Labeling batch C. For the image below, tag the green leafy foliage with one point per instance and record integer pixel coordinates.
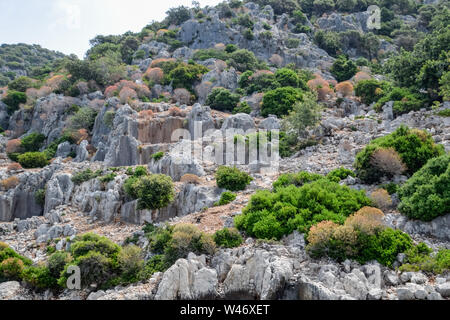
(271, 215)
(232, 178)
(153, 191)
(222, 99)
(426, 195)
(343, 68)
(414, 147)
(13, 99)
(85, 175)
(31, 160)
(33, 142)
(371, 90)
(243, 60)
(280, 101)
(226, 198)
(228, 238)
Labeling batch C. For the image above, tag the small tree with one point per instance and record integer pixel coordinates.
(343, 68)
(305, 114)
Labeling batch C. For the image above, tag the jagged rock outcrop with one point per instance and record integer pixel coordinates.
(176, 166)
(188, 279)
(20, 202)
(58, 191)
(200, 121)
(438, 228)
(239, 123)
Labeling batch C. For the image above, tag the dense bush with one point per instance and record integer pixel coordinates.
(280, 101)
(20, 84)
(158, 156)
(85, 175)
(153, 191)
(222, 99)
(404, 101)
(362, 237)
(232, 178)
(274, 214)
(340, 174)
(414, 147)
(13, 99)
(304, 114)
(205, 54)
(371, 90)
(84, 118)
(426, 195)
(226, 198)
(228, 238)
(343, 68)
(296, 179)
(243, 107)
(421, 258)
(31, 160)
(32, 143)
(188, 238)
(243, 60)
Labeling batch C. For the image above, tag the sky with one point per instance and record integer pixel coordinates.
(68, 25)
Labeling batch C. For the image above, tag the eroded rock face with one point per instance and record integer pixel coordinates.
(20, 202)
(188, 279)
(58, 192)
(438, 228)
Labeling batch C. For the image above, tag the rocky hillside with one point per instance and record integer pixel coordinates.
(25, 60)
(252, 150)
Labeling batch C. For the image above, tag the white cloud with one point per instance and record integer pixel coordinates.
(66, 15)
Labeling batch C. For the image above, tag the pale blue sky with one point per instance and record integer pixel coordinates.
(68, 25)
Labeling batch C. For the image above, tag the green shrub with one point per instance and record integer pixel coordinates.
(11, 269)
(222, 99)
(362, 238)
(31, 160)
(13, 99)
(39, 197)
(415, 148)
(271, 215)
(371, 90)
(421, 258)
(157, 263)
(343, 68)
(404, 101)
(95, 268)
(205, 54)
(6, 252)
(340, 174)
(185, 75)
(57, 262)
(426, 195)
(32, 143)
(444, 113)
(328, 41)
(188, 238)
(292, 43)
(158, 156)
(228, 238)
(154, 191)
(20, 84)
(108, 178)
(91, 242)
(287, 78)
(83, 119)
(226, 198)
(40, 277)
(232, 178)
(280, 101)
(131, 263)
(243, 60)
(243, 107)
(295, 179)
(85, 175)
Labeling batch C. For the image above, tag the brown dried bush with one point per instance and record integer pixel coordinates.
(10, 183)
(381, 199)
(360, 76)
(276, 60)
(388, 160)
(182, 96)
(345, 89)
(367, 219)
(154, 75)
(13, 146)
(190, 179)
(15, 166)
(127, 94)
(146, 114)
